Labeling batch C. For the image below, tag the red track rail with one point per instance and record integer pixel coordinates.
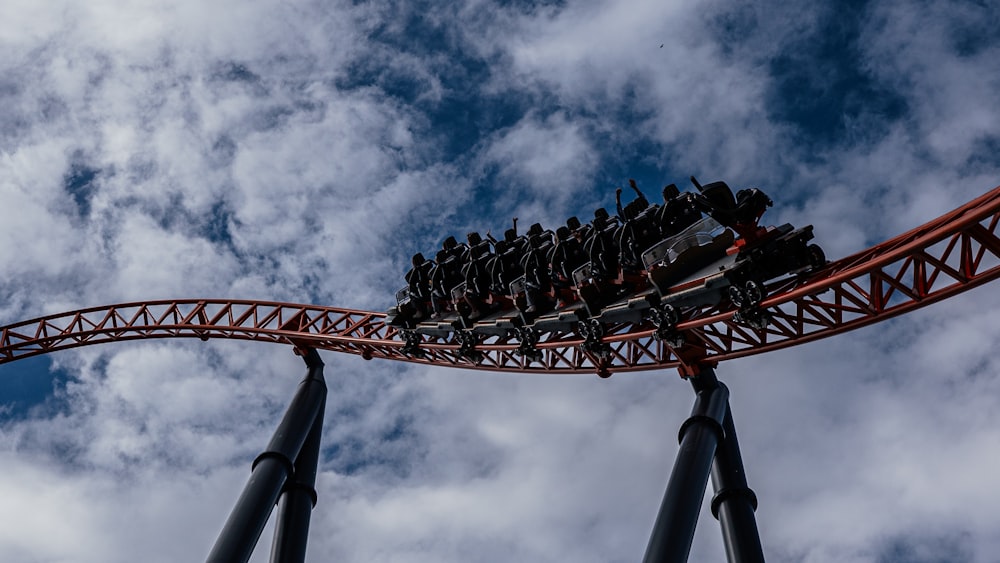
(951, 254)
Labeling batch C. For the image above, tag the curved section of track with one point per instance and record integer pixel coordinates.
(951, 254)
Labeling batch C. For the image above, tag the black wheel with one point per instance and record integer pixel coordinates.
(596, 328)
(754, 291)
(737, 296)
(753, 318)
(817, 259)
(676, 341)
(670, 315)
(759, 320)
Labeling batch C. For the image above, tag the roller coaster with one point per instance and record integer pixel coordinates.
(946, 256)
(688, 284)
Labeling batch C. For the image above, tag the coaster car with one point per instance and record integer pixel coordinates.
(642, 266)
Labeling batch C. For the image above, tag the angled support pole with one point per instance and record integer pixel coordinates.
(734, 502)
(708, 440)
(297, 501)
(673, 532)
(276, 467)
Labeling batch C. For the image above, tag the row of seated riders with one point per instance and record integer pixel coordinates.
(546, 261)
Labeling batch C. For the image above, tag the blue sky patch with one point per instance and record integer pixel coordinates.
(27, 385)
(80, 183)
(822, 88)
(921, 548)
(394, 451)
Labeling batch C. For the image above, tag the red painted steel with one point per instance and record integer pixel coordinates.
(951, 254)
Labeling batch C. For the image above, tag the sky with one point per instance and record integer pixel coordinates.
(303, 151)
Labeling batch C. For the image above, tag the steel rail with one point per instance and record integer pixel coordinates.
(948, 255)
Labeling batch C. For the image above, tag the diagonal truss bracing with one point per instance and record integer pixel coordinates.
(951, 254)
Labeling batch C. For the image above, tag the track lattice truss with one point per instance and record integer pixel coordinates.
(953, 253)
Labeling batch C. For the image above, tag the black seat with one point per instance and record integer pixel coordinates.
(719, 195)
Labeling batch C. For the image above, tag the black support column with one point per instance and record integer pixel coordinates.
(297, 501)
(734, 502)
(708, 440)
(673, 531)
(274, 467)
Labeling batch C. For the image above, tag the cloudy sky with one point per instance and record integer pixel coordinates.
(302, 151)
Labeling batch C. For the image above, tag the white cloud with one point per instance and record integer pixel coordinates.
(231, 161)
(545, 165)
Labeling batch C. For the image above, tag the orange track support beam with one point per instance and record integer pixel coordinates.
(949, 255)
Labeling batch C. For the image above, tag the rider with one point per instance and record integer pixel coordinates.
(418, 282)
(602, 247)
(506, 267)
(638, 231)
(567, 256)
(677, 212)
(477, 275)
(537, 277)
(450, 261)
(741, 213)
